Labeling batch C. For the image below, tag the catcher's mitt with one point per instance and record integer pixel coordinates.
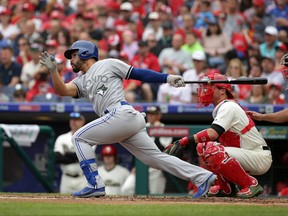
(175, 149)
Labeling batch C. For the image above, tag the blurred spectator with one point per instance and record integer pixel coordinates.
(10, 70)
(112, 10)
(174, 58)
(166, 40)
(145, 59)
(268, 47)
(192, 44)
(31, 67)
(258, 19)
(75, 32)
(41, 86)
(188, 26)
(113, 174)
(268, 65)
(51, 46)
(200, 66)
(153, 26)
(258, 95)
(130, 45)
(234, 20)
(281, 50)
(28, 13)
(215, 43)
(63, 37)
(122, 23)
(67, 74)
(280, 12)
(155, 46)
(168, 94)
(236, 70)
(72, 178)
(203, 14)
(55, 25)
(8, 30)
(24, 55)
(255, 71)
(19, 94)
(28, 31)
(68, 10)
(275, 94)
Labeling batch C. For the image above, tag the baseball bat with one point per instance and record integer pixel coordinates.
(244, 80)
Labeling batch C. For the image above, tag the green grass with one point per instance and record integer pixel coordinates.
(8, 208)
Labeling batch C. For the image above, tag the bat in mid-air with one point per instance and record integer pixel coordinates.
(244, 80)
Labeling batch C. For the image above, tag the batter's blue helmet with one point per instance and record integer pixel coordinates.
(86, 50)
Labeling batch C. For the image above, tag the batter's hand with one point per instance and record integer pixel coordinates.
(175, 149)
(176, 80)
(49, 61)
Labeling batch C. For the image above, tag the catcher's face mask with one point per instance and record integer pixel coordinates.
(205, 95)
(284, 62)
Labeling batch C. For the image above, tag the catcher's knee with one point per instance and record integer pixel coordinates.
(215, 155)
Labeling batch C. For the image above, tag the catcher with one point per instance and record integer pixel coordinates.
(232, 147)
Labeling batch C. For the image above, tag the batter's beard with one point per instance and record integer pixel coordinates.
(76, 68)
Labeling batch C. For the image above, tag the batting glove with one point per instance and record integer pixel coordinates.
(176, 80)
(49, 61)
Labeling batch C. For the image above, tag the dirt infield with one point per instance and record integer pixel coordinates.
(57, 198)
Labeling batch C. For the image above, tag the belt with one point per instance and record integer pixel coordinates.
(266, 148)
(121, 103)
(73, 176)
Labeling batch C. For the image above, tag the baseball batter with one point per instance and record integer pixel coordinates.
(101, 83)
(241, 148)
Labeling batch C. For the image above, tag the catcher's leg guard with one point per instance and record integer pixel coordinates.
(96, 185)
(228, 167)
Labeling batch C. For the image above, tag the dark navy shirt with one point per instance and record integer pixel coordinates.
(6, 74)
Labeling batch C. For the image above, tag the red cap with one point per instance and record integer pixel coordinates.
(56, 15)
(51, 43)
(60, 58)
(282, 47)
(109, 150)
(90, 16)
(28, 6)
(5, 11)
(113, 5)
(123, 55)
(258, 2)
(113, 40)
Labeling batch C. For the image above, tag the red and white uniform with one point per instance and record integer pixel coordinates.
(241, 139)
(113, 179)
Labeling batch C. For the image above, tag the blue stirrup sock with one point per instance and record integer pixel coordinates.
(90, 171)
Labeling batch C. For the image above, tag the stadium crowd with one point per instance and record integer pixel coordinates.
(238, 38)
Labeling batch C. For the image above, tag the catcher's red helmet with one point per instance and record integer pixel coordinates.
(109, 150)
(205, 91)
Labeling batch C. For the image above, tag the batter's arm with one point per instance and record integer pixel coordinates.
(69, 89)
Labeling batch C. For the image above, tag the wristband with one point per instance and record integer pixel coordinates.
(203, 136)
(187, 140)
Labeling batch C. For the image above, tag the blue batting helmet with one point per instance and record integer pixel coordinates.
(86, 50)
